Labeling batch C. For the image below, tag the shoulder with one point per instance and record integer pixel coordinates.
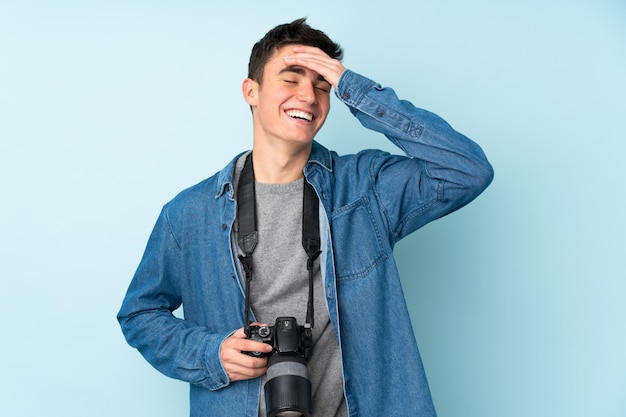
(201, 196)
(336, 164)
(364, 162)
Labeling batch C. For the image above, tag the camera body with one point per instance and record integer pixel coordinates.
(286, 337)
(288, 389)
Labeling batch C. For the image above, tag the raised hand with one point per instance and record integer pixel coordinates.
(316, 60)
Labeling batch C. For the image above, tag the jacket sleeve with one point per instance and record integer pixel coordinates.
(178, 348)
(441, 171)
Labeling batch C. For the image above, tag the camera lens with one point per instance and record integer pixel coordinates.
(288, 389)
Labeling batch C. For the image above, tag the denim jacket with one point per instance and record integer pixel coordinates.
(368, 202)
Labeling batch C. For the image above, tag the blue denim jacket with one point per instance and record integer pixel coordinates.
(368, 202)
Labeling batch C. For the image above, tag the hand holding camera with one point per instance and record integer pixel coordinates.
(288, 345)
(239, 366)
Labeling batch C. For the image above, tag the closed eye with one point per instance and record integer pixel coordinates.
(323, 87)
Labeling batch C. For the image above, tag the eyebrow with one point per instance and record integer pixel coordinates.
(300, 71)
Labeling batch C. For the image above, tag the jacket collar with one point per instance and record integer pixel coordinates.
(320, 155)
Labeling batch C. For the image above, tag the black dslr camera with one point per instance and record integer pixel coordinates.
(288, 389)
(285, 337)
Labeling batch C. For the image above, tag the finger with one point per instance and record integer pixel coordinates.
(241, 334)
(245, 345)
(238, 342)
(309, 49)
(239, 373)
(234, 359)
(315, 60)
(239, 366)
(249, 367)
(317, 55)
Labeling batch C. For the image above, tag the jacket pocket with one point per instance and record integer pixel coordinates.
(357, 242)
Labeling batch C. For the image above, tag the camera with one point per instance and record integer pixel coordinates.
(288, 389)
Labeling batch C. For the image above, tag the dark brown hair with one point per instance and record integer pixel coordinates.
(297, 32)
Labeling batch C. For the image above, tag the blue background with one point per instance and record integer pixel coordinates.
(108, 109)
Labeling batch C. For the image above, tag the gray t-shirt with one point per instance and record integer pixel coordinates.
(280, 288)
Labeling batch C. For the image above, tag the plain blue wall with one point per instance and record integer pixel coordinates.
(107, 109)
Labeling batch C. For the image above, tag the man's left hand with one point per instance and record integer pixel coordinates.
(316, 60)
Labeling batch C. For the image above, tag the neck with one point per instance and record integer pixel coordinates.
(278, 168)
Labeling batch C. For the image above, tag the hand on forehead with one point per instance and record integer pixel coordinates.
(316, 60)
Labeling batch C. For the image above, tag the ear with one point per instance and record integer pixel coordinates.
(250, 89)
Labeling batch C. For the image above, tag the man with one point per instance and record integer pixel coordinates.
(364, 359)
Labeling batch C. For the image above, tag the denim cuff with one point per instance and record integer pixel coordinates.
(217, 376)
(352, 87)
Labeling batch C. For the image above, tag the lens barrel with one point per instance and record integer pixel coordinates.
(288, 389)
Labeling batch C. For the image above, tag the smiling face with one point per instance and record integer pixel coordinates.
(289, 106)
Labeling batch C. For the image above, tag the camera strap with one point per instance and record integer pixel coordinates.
(247, 236)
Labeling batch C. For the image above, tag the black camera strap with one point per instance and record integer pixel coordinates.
(247, 235)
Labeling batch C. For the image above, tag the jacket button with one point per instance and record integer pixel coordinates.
(224, 226)
(346, 95)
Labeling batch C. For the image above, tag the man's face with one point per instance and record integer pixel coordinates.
(290, 105)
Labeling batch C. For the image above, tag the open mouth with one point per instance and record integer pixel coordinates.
(299, 115)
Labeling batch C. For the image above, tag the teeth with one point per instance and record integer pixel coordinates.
(300, 115)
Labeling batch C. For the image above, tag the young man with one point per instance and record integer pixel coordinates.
(364, 359)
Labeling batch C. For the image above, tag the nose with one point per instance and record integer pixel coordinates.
(306, 93)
